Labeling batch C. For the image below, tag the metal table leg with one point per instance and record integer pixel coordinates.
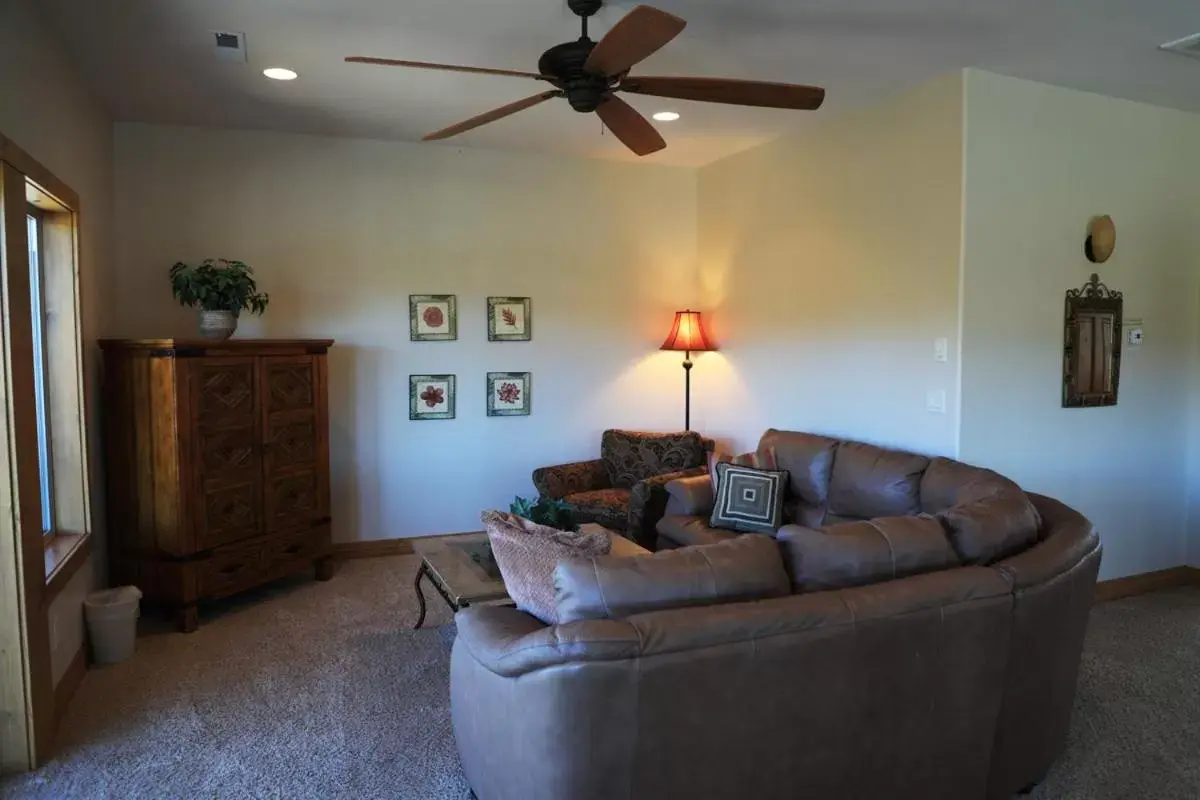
(422, 572)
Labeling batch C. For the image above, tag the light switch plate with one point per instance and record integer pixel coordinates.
(941, 349)
(1135, 337)
(935, 401)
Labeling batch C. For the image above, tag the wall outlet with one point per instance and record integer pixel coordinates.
(941, 349)
(935, 401)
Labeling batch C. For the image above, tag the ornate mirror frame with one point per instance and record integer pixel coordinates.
(1092, 346)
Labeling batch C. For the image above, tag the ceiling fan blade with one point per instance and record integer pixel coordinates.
(635, 38)
(727, 90)
(492, 116)
(391, 62)
(634, 130)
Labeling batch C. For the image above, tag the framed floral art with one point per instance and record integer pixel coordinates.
(508, 394)
(431, 396)
(510, 319)
(432, 317)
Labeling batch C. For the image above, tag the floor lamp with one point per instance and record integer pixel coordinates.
(687, 335)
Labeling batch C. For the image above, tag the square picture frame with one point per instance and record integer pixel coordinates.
(432, 396)
(432, 317)
(510, 319)
(508, 394)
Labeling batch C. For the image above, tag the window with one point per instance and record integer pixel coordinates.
(38, 324)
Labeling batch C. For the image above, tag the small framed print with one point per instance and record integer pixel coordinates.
(508, 394)
(509, 319)
(432, 317)
(431, 396)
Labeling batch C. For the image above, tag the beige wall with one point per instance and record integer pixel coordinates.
(830, 262)
(46, 110)
(341, 231)
(1040, 161)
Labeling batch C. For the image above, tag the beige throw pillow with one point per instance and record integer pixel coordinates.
(527, 554)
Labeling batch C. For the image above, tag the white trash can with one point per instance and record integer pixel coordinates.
(112, 617)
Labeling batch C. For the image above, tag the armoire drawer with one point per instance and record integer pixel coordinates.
(280, 552)
(230, 570)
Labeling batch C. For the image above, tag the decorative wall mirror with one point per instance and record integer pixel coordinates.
(1092, 346)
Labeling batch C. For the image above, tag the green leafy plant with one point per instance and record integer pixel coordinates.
(218, 285)
(545, 511)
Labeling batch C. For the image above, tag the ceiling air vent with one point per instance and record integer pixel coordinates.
(1187, 46)
(230, 46)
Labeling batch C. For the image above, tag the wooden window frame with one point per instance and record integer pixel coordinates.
(34, 567)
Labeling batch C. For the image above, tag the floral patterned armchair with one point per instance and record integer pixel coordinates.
(626, 488)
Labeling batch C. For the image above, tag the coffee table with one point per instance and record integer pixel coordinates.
(461, 568)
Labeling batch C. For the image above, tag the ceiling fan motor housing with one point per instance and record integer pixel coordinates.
(585, 8)
(564, 63)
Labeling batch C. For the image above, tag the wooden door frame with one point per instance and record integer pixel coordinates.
(26, 680)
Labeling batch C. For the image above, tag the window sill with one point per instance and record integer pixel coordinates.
(65, 554)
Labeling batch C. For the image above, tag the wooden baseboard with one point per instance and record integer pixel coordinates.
(1147, 582)
(377, 548)
(69, 683)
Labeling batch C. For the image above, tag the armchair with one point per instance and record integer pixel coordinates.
(626, 488)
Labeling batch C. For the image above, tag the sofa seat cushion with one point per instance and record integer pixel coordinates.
(860, 553)
(608, 587)
(993, 528)
(948, 483)
(749, 500)
(688, 531)
(607, 507)
(870, 482)
(527, 554)
(631, 457)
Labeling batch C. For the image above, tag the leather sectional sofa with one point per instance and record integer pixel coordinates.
(920, 638)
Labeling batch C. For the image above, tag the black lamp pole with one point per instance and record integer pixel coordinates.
(687, 390)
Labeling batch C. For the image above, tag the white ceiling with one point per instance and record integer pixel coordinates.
(152, 61)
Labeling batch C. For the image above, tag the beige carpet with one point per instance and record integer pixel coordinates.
(302, 690)
(322, 690)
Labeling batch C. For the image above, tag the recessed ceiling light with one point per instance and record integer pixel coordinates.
(280, 74)
(666, 116)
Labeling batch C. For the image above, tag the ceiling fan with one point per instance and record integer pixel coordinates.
(589, 74)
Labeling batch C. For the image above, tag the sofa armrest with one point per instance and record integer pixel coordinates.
(1068, 538)
(691, 496)
(648, 503)
(564, 479)
(509, 642)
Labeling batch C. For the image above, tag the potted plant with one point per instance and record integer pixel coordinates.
(220, 290)
(545, 511)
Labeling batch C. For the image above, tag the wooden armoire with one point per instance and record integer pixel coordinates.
(218, 465)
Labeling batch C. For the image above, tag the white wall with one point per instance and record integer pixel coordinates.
(46, 110)
(341, 231)
(830, 260)
(1040, 161)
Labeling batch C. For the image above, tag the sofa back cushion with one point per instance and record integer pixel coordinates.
(869, 482)
(948, 483)
(860, 553)
(738, 570)
(993, 528)
(631, 457)
(808, 459)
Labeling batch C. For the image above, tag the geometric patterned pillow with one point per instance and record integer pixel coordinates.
(749, 500)
(760, 459)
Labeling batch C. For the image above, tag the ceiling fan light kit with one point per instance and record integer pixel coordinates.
(590, 74)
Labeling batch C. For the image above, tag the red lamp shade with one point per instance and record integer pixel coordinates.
(687, 334)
